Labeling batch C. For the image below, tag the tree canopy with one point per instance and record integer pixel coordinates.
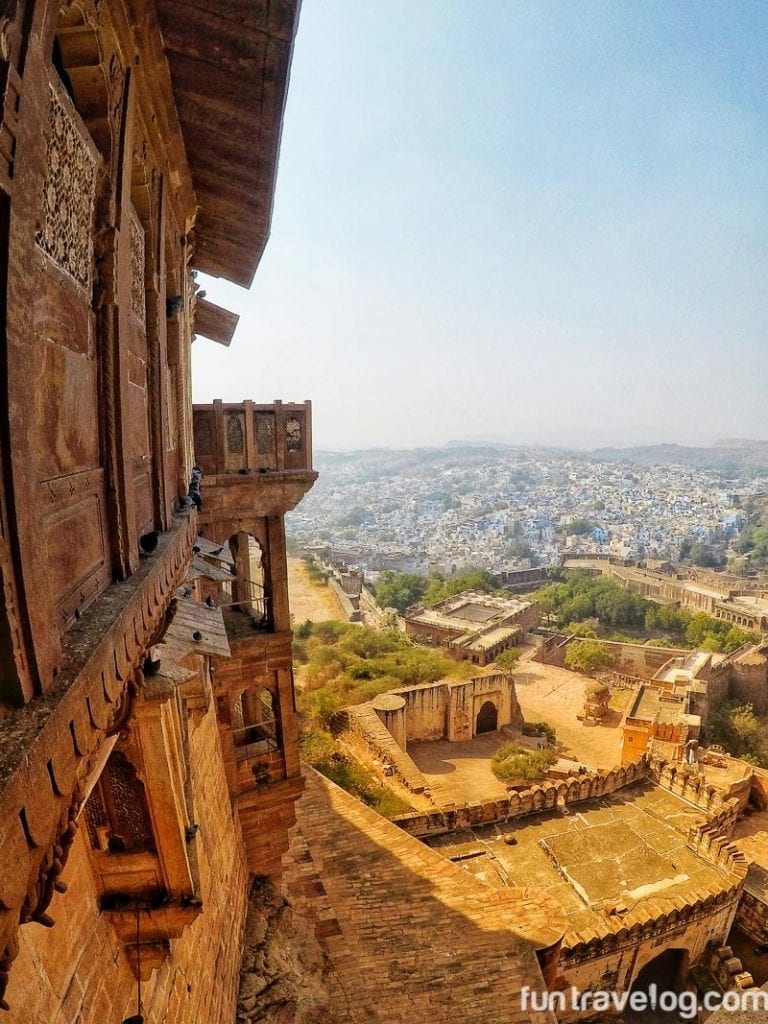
(737, 728)
(515, 763)
(588, 656)
(584, 605)
(401, 589)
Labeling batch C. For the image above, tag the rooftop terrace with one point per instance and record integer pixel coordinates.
(618, 851)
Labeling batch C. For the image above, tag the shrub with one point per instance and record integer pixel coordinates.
(514, 763)
(509, 658)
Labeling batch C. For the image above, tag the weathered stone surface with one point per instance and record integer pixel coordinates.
(285, 972)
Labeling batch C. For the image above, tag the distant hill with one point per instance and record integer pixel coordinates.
(727, 455)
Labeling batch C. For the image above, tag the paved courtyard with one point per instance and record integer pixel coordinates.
(461, 772)
(624, 849)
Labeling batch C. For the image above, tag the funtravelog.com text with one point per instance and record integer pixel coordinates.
(687, 1005)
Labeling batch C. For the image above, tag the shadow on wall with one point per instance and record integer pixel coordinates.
(423, 916)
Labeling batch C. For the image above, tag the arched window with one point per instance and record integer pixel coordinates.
(255, 723)
(251, 595)
(117, 814)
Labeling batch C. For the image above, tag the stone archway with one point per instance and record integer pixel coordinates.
(487, 718)
(667, 972)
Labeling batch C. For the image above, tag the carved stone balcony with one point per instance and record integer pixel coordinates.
(255, 457)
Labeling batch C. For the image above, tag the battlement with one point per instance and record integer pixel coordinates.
(540, 797)
(665, 915)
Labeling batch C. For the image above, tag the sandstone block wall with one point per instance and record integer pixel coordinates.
(616, 957)
(748, 681)
(752, 917)
(348, 604)
(366, 733)
(78, 970)
(630, 659)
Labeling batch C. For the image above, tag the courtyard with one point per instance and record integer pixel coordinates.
(461, 772)
(611, 853)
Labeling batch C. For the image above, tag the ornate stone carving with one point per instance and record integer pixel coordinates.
(138, 262)
(235, 434)
(265, 432)
(116, 813)
(66, 228)
(293, 434)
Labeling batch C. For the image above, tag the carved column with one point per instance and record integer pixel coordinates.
(115, 275)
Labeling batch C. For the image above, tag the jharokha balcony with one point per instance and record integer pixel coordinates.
(250, 438)
(256, 465)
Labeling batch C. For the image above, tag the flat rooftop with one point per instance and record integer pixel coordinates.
(469, 609)
(683, 668)
(621, 850)
(473, 612)
(646, 704)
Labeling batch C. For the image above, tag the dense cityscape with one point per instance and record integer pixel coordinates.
(448, 508)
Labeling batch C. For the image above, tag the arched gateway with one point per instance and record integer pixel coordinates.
(487, 718)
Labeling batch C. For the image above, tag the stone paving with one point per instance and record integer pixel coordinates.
(626, 848)
(411, 937)
(460, 772)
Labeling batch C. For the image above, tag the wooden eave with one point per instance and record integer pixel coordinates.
(229, 64)
(215, 322)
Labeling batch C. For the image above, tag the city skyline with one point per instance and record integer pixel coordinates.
(543, 222)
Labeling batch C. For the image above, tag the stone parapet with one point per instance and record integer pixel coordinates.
(365, 727)
(541, 797)
(678, 779)
(626, 931)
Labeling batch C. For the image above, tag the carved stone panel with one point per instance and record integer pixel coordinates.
(235, 434)
(65, 234)
(138, 264)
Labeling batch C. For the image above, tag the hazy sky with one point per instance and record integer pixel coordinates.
(545, 221)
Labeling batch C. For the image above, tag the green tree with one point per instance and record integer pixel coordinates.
(509, 658)
(399, 589)
(738, 729)
(585, 629)
(515, 763)
(705, 556)
(588, 656)
(440, 587)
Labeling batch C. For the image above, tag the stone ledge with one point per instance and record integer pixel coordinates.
(49, 747)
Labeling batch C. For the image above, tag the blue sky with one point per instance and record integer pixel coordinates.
(541, 221)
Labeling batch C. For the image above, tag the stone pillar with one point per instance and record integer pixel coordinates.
(391, 710)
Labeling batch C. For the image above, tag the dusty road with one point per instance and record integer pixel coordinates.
(555, 695)
(309, 600)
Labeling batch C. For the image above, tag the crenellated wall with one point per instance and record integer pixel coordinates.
(677, 779)
(544, 796)
(695, 923)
